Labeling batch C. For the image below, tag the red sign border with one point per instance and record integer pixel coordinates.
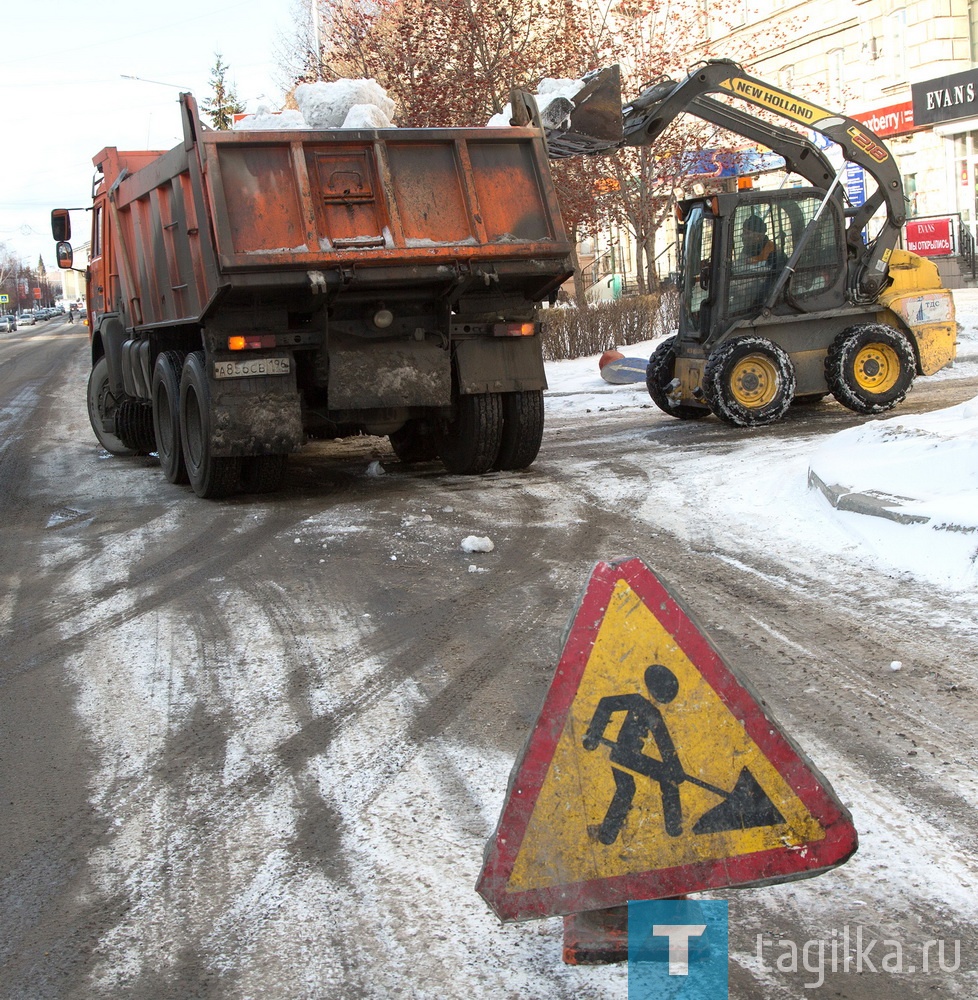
(759, 868)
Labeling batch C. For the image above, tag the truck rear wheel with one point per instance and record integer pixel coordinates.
(166, 415)
(416, 441)
(749, 381)
(210, 477)
(471, 441)
(870, 368)
(658, 377)
(103, 407)
(262, 473)
(522, 429)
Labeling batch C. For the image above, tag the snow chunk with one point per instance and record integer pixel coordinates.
(327, 105)
(366, 116)
(375, 469)
(896, 665)
(555, 101)
(264, 119)
(472, 543)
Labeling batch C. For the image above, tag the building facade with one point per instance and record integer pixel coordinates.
(906, 68)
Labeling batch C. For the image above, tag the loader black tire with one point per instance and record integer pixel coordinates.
(522, 429)
(659, 374)
(166, 415)
(211, 477)
(103, 407)
(749, 381)
(470, 443)
(870, 368)
(416, 441)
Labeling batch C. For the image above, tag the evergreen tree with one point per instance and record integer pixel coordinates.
(224, 104)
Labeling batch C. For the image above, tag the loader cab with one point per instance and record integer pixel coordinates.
(736, 248)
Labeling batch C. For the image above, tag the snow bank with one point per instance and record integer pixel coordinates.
(930, 457)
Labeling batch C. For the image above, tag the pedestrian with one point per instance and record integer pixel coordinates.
(71, 315)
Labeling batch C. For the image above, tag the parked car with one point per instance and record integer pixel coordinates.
(27, 319)
(8, 324)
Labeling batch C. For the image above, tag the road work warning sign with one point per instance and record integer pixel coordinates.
(652, 771)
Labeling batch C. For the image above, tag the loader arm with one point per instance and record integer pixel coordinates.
(645, 118)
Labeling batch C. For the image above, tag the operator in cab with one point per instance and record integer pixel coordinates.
(758, 248)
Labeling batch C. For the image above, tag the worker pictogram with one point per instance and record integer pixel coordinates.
(652, 771)
(745, 805)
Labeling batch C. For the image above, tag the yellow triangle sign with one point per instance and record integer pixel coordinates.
(652, 771)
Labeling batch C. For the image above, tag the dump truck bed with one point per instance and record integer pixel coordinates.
(252, 210)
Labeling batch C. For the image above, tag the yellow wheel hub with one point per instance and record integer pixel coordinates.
(754, 381)
(876, 368)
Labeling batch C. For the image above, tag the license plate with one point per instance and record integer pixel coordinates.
(251, 366)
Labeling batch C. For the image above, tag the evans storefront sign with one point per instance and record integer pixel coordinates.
(930, 237)
(946, 98)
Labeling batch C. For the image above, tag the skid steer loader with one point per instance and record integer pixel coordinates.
(783, 295)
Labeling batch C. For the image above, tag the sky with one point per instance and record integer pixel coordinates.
(64, 94)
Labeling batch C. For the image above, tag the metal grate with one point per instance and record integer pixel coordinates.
(765, 236)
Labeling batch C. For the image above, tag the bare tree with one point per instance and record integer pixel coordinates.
(454, 62)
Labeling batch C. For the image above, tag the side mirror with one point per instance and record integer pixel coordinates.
(60, 225)
(65, 255)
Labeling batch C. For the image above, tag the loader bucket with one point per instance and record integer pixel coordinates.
(593, 124)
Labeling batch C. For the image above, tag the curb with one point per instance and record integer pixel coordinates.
(873, 502)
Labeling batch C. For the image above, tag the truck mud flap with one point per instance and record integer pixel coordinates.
(369, 376)
(255, 416)
(504, 364)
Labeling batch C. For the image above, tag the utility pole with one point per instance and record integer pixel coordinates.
(316, 39)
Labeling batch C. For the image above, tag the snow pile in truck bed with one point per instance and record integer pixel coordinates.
(339, 104)
(331, 105)
(263, 119)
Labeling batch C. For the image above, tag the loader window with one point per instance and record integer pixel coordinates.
(758, 256)
(821, 265)
(697, 268)
(97, 233)
(765, 236)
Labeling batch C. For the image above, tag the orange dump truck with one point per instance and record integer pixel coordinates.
(250, 289)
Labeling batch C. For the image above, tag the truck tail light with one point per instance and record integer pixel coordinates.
(514, 329)
(251, 341)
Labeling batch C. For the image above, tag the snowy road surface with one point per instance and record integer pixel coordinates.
(255, 748)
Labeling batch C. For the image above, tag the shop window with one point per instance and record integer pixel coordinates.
(910, 193)
(895, 42)
(973, 26)
(837, 78)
